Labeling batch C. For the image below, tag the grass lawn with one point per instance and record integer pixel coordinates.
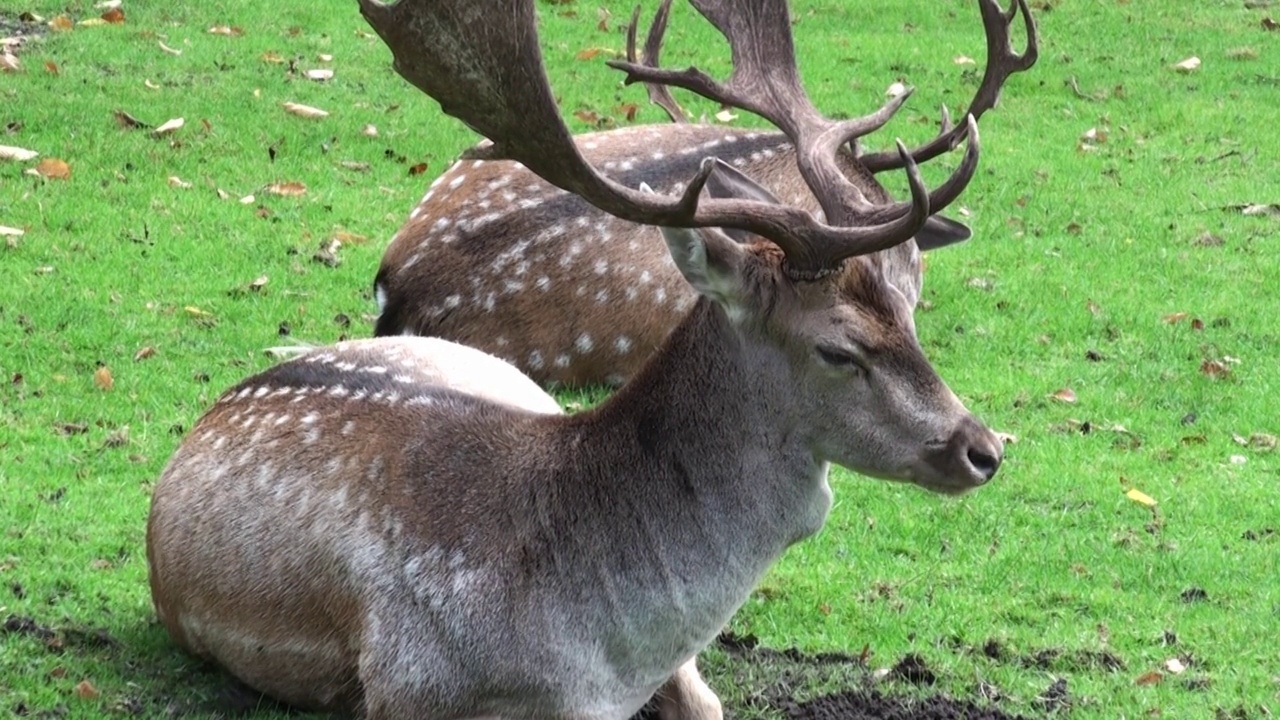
(1116, 311)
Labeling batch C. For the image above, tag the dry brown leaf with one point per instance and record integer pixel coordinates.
(9, 63)
(305, 111)
(169, 126)
(417, 169)
(319, 74)
(346, 237)
(62, 23)
(1140, 497)
(127, 121)
(86, 691)
(1149, 678)
(171, 51)
(114, 16)
(1064, 395)
(1173, 318)
(1270, 25)
(1094, 135)
(273, 58)
(589, 117)
(1189, 65)
(1214, 369)
(356, 166)
(16, 153)
(144, 353)
(102, 378)
(628, 111)
(227, 30)
(54, 168)
(588, 53)
(287, 189)
(177, 182)
(1262, 441)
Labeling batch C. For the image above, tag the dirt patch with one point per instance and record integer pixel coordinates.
(873, 705)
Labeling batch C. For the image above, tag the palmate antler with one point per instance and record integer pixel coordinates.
(480, 60)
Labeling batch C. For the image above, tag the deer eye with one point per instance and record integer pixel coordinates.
(837, 357)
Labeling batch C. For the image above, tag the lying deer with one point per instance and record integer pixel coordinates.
(396, 527)
(496, 258)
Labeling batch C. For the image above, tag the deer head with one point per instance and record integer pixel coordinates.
(360, 527)
(497, 258)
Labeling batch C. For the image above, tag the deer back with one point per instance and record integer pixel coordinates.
(497, 258)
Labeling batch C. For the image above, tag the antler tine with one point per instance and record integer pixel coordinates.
(1002, 61)
(659, 94)
(482, 63)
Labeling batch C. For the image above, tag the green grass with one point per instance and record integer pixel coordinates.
(1083, 253)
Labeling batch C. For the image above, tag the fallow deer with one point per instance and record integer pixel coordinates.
(369, 527)
(497, 258)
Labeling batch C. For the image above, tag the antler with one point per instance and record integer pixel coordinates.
(659, 94)
(1002, 62)
(765, 81)
(481, 62)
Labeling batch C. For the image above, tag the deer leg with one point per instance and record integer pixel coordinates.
(687, 697)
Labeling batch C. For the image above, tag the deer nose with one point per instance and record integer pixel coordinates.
(982, 449)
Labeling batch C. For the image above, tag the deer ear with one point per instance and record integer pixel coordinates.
(709, 259)
(726, 181)
(939, 231)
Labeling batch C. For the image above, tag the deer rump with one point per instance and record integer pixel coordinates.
(497, 258)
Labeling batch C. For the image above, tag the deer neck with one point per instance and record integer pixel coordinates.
(702, 480)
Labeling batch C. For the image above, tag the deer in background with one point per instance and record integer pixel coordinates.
(380, 527)
(499, 259)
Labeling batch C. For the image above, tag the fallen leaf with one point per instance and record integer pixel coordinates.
(369, 131)
(273, 58)
(144, 353)
(1064, 395)
(590, 117)
(102, 378)
(227, 30)
(114, 16)
(168, 126)
(305, 111)
(1214, 369)
(247, 200)
(1262, 441)
(258, 283)
(628, 111)
(356, 166)
(61, 23)
(171, 51)
(127, 121)
(86, 691)
(16, 153)
(324, 57)
(726, 116)
(964, 60)
(9, 63)
(1238, 459)
(347, 237)
(1175, 666)
(177, 182)
(1242, 53)
(1140, 497)
(895, 90)
(11, 232)
(54, 168)
(1173, 318)
(108, 4)
(588, 53)
(150, 85)
(287, 189)
(319, 74)
(1150, 678)
(1191, 64)
(417, 169)
(1270, 25)
(1094, 135)
(196, 312)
